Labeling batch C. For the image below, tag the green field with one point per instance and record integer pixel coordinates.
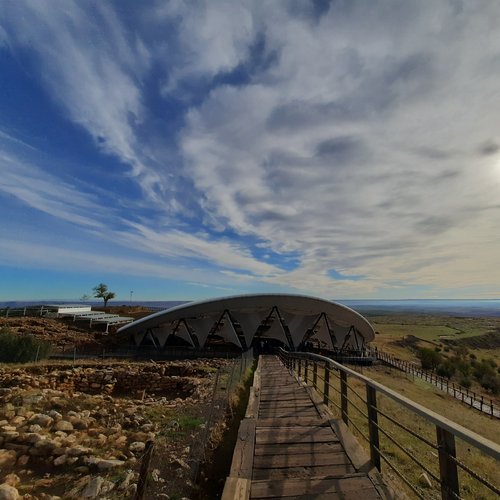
(432, 330)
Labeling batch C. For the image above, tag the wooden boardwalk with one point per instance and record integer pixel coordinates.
(290, 447)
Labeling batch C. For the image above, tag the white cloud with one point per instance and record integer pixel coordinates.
(362, 139)
(358, 148)
(46, 193)
(92, 69)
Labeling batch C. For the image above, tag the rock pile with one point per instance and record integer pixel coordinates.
(63, 435)
(119, 378)
(56, 331)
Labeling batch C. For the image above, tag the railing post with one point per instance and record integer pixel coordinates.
(343, 397)
(300, 368)
(306, 366)
(315, 374)
(447, 466)
(371, 403)
(326, 388)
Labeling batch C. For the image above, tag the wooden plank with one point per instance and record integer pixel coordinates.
(292, 421)
(277, 413)
(282, 439)
(252, 407)
(320, 471)
(285, 399)
(291, 389)
(300, 460)
(360, 485)
(349, 495)
(289, 448)
(243, 454)
(286, 406)
(293, 403)
(270, 398)
(295, 432)
(236, 488)
(306, 429)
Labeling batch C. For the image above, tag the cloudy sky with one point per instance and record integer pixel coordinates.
(190, 149)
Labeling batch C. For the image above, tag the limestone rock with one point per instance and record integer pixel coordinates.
(55, 415)
(41, 419)
(8, 492)
(137, 447)
(77, 451)
(60, 460)
(12, 479)
(126, 481)
(103, 465)
(23, 460)
(64, 425)
(93, 488)
(7, 458)
(106, 487)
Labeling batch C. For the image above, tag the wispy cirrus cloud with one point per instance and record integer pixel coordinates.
(92, 68)
(46, 193)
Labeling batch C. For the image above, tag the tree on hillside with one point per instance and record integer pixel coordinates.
(101, 292)
(429, 359)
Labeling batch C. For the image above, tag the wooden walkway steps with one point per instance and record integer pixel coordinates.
(290, 447)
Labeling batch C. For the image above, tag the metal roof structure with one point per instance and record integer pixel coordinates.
(245, 319)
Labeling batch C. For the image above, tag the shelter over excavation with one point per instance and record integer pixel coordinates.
(247, 319)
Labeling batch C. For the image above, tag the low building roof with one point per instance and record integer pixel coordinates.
(288, 318)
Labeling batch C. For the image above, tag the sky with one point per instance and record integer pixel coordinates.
(190, 149)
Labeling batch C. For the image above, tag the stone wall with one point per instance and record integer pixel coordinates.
(119, 379)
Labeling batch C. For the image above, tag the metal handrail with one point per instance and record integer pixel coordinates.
(446, 430)
(485, 445)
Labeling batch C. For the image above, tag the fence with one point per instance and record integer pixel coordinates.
(459, 392)
(73, 352)
(8, 312)
(432, 456)
(208, 418)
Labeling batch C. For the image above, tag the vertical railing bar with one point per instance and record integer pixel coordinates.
(326, 386)
(447, 466)
(371, 403)
(343, 397)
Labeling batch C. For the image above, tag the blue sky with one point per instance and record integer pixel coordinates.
(186, 150)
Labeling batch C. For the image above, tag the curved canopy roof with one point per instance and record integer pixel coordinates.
(239, 319)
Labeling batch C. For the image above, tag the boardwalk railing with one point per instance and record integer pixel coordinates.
(433, 456)
(459, 392)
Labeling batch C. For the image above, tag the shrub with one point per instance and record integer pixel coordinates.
(429, 359)
(481, 369)
(465, 382)
(21, 348)
(491, 383)
(463, 366)
(446, 369)
(491, 362)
